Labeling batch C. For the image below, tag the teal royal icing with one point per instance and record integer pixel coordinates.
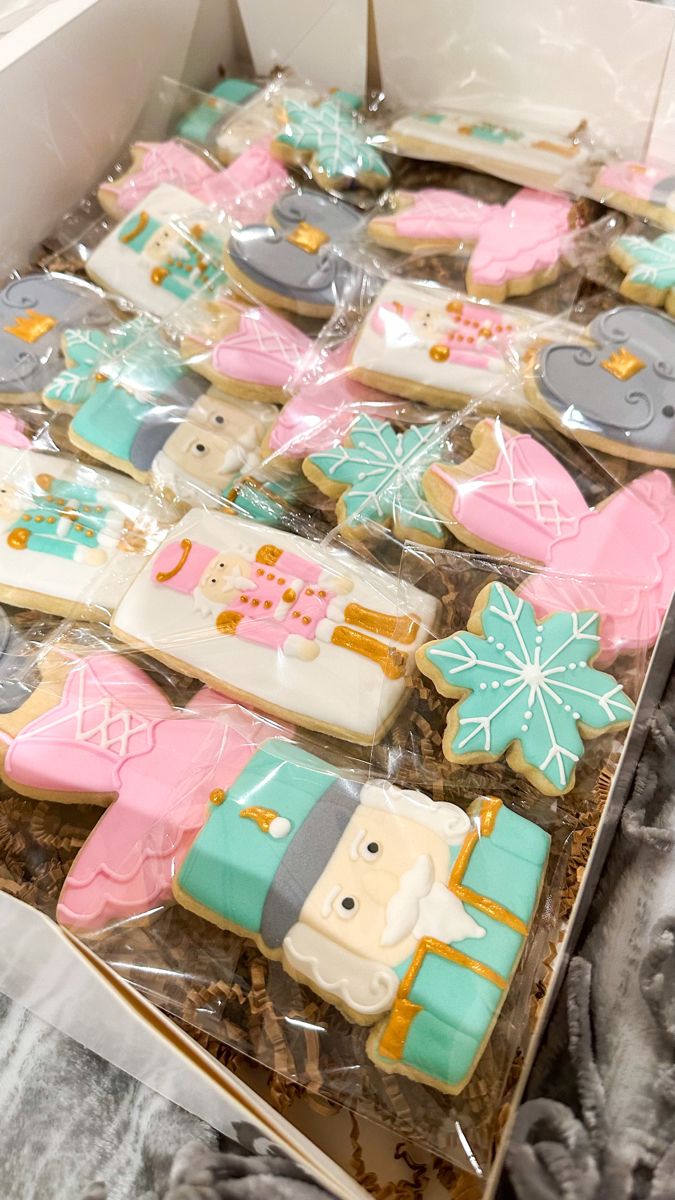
(197, 125)
(653, 262)
(336, 140)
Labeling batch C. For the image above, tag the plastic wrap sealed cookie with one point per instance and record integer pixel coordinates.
(649, 267)
(307, 633)
(245, 191)
(137, 407)
(252, 352)
(330, 140)
(256, 116)
(516, 247)
(71, 538)
(427, 344)
(527, 689)
(514, 497)
(525, 155)
(161, 254)
(616, 391)
(644, 189)
(264, 838)
(34, 311)
(200, 123)
(295, 261)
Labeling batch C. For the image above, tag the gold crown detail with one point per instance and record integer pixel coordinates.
(32, 326)
(622, 364)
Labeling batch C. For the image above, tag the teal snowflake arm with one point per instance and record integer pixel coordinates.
(335, 139)
(83, 349)
(653, 262)
(528, 683)
(381, 472)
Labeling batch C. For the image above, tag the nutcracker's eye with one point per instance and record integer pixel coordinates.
(371, 851)
(346, 907)
(218, 419)
(199, 450)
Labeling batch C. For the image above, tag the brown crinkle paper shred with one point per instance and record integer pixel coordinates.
(237, 1003)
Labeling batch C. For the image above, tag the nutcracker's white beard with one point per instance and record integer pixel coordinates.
(426, 908)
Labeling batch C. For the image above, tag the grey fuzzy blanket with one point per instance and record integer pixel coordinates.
(73, 1127)
(599, 1123)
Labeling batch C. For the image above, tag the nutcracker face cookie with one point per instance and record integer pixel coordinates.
(252, 352)
(71, 538)
(528, 689)
(528, 156)
(649, 267)
(34, 311)
(330, 140)
(376, 477)
(303, 632)
(512, 496)
(616, 394)
(640, 188)
(517, 247)
(295, 262)
(245, 191)
(426, 344)
(143, 412)
(198, 125)
(161, 254)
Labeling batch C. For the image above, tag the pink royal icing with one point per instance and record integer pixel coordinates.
(246, 189)
(618, 559)
(525, 235)
(632, 178)
(12, 431)
(113, 731)
(264, 349)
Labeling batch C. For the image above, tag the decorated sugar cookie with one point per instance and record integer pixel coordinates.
(376, 477)
(83, 352)
(295, 261)
(517, 247)
(271, 620)
(330, 140)
(245, 191)
(34, 311)
(649, 267)
(616, 393)
(427, 344)
(255, 117)
(275, 843)
(528, 689)
(512, 496)
(71, 538)
(161, 255)
(142, 411)
(526, 155)
(200, 123)
(252, 352)
(645, 189)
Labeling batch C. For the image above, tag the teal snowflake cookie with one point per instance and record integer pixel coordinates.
(649, 267)
(331, 141)
(85, 352)
(528, 688)
(376, 475)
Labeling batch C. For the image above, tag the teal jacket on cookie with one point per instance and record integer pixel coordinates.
(408, 914)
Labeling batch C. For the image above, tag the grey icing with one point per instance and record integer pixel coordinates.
(264, 254)
(663, 190)
(27, 367)
(17, 680)
(639, 411)
(153, 432)
(307, 858)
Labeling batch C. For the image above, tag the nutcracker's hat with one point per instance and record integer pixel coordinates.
(180, 565)
(137, 231)
(267, 841)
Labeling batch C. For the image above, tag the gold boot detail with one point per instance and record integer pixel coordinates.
(391, 661)
(400, 629)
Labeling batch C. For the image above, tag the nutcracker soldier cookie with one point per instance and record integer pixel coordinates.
(512, 496)
(409, 915)
(161, 254)
(306, 633)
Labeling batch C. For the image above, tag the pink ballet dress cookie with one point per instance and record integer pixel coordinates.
(515, 247)
(250, 352)
(269, 618)
(428, 344)
(246, 190)
(645, 189)
(513, 497)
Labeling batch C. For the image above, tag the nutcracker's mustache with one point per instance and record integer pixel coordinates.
(403, 908)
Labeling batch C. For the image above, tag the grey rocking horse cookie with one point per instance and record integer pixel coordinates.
(616, 393)
(294, 262)
(34, 311)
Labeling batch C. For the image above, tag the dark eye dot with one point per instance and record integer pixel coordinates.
(214, 581)
(373, 847)
(348, 903)
(668, 411)
(200, 447)
(219, 420)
